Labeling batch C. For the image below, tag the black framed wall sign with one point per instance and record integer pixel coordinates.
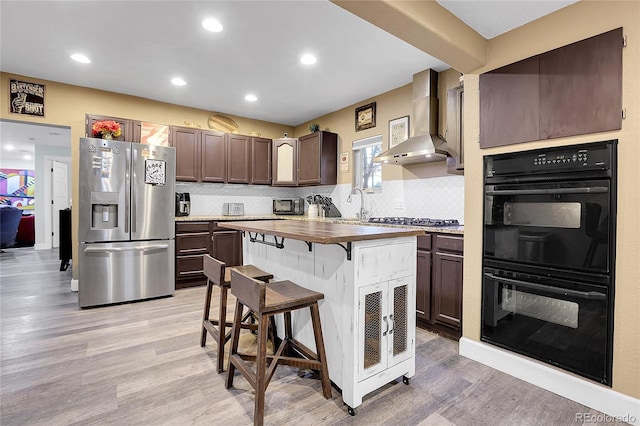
(26, 98)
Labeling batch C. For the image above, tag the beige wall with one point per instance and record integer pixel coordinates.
(67, 105)
(390, 105)
(579, 21)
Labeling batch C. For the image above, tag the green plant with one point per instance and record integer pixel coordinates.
(314, 127)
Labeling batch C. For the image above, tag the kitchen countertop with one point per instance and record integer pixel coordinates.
(321, 232)
(459, 230)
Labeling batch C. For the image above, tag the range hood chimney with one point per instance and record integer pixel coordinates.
(424, 145)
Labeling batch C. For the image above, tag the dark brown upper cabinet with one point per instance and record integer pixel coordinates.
(260, 161)
(581, 87)
(186, 141)
(238, 158)
(573, 90)
(509, 104)
(214, 157)
(318, 159)
(130, 129)
(455, 130)
(200, 155)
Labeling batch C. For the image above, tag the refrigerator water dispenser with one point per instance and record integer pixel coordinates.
(104, 210)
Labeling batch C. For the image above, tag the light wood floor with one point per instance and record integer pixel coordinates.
(141, 364)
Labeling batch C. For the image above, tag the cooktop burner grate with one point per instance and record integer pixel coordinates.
(414, 221)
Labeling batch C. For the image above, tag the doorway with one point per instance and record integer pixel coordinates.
(48, 143)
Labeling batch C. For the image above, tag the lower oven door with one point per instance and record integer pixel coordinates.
(560, 322)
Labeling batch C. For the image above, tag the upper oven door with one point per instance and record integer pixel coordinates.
(561, 224)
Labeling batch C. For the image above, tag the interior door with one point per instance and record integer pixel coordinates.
(59, 196)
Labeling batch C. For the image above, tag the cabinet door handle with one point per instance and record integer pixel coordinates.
(203, 249)
(393, 324)
(387, 324)
(191, 272)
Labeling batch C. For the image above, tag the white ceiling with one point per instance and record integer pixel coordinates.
(490, 18)
(138, 46)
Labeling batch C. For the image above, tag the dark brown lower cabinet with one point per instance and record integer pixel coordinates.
(194, 240)
(439, 284)
(226, 245)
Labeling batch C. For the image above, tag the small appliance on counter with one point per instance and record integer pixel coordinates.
(289, 206)
(233, 209)
(183, 204)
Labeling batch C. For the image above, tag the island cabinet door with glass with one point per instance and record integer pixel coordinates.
(383, 334)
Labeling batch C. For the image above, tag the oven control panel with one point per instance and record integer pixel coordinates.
(580, 158)
(573, 158)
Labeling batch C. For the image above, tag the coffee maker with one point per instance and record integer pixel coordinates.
(183, 204)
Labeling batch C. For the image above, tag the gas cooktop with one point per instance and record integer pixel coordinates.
(414, 221)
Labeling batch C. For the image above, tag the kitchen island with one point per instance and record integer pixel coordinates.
(368, 276)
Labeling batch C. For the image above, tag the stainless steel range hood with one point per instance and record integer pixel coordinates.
(424, 145)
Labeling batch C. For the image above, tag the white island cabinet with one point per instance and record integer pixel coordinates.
(369, 283)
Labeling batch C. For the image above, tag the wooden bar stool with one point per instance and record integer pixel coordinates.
(266, 301)
(218, 274)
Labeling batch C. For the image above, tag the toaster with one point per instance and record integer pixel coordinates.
(233, 209)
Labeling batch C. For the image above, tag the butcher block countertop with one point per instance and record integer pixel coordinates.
(321, 232)
(459, 230)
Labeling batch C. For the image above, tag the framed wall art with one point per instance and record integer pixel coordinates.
(366, 117)
(26, 98)
(398, 130)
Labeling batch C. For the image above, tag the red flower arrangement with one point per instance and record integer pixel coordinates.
(107, 129)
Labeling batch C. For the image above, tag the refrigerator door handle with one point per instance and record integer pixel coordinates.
(121, 249)
(127, 179)
(132, 184)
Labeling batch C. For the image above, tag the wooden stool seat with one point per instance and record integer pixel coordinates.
(266, 301)
(218, 274)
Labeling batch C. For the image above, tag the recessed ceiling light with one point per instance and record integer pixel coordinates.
(9, 147)
(212, 25)
(308, 59)
(177, 81)
(251, 98)
(26, 157)
(79, 57)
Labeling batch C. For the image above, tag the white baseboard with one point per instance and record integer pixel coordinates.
(74, 285)
(593, 395)
(42, 246)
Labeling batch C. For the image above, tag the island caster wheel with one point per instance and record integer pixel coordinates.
(406, 380)
(352, 411)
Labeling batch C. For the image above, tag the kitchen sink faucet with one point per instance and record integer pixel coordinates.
(363, 212)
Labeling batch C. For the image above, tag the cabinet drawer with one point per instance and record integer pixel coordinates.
(189, 266)
(192, 244)
(187, 227)
(424, 242)
(449, 243)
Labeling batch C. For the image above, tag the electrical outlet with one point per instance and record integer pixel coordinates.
(399, 204)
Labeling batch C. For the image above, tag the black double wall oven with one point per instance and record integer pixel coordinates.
(548, 255)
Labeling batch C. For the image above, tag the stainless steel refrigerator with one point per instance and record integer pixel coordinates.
(126, 213)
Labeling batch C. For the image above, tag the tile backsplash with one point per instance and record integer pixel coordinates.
(439, 197)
